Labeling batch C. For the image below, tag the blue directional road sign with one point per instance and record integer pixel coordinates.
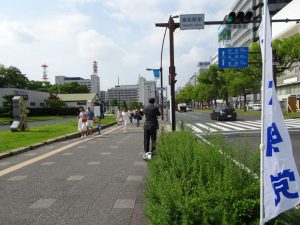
(233, 57)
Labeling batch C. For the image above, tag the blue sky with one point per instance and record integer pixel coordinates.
(68, 35)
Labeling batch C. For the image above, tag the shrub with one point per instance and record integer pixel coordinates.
(192, 183)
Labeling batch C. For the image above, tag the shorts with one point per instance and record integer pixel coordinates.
(90, 123)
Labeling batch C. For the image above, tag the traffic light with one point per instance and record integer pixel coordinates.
(240, 17)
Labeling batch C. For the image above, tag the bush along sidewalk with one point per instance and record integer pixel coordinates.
(192, 183)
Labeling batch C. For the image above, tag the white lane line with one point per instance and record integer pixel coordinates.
(209, 129)
(196, 129)
(233, 126)
(250, 124)
(218, 127)
(46, 155)
(242, 125)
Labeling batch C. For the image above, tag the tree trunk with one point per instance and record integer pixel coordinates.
(245, 101)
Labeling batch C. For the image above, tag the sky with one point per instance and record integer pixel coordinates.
(68, 35)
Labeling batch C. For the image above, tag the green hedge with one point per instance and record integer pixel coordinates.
(192, 183)
(52, 111)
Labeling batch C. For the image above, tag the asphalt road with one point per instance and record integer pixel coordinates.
(250, 133)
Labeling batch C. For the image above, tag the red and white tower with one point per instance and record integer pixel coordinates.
(45, 76)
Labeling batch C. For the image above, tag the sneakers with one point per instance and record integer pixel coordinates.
(147, 156)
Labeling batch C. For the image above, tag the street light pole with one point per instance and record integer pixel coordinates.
(118, 86)
(172, 72)
(161, 77)
(172, 26)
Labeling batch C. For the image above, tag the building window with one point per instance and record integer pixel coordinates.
(32, 103)
(42, 104)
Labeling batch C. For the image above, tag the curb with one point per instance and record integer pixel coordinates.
(17, 151)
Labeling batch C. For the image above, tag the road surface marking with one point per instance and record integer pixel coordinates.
(218, 127)
(209, 129)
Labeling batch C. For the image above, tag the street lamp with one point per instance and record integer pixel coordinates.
(118, 86)
(172, 26)
(161, 76)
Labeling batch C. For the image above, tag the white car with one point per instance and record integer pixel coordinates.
(256, 107)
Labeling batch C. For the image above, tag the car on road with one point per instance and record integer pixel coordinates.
(256, 107)
(223, 113)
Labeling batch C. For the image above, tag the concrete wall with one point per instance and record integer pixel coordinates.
(33, 99)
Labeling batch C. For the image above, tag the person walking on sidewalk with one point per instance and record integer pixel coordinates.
(151, 113)
(125, 116)
(82, 120)
(90, 122)
(138, 116)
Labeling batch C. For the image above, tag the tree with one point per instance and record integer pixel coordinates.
(7, 104)
(212, 85)
(12, 77)
(54, 102)
(68, 88)
(114, 102)
(39, 85)
(287, 52)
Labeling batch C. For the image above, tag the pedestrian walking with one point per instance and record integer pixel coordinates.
(98, 124)
(82, 121)
(125, 116)
(151, 113)
(90, 121)
(118, 117)
(138, 116)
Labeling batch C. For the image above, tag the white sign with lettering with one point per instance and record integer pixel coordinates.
(191, 21)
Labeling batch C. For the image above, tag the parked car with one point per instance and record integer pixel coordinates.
(256, 107)
(223, 113)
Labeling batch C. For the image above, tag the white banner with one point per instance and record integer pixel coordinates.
(281, 183)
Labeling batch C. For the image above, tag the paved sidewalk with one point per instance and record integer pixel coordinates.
(97, 180)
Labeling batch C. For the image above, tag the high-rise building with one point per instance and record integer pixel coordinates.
(146, 90)
(127, 93)
(92, 84)
(243, 37)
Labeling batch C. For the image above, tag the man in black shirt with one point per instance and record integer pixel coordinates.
(151, 113)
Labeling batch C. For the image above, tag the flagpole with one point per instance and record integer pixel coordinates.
(262, 145)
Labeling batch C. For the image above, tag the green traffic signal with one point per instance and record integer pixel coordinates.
(230, 18)
(239, 18)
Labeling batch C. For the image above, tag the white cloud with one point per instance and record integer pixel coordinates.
(61, 27)
(93, 44)
(14, 32)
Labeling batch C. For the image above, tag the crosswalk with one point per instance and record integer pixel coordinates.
(233, 127)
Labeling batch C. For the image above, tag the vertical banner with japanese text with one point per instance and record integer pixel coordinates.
(281, 183)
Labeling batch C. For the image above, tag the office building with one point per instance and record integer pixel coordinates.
(92, 84)
(146, 90)
(127, 93)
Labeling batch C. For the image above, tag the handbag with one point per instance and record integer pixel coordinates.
(84, 118)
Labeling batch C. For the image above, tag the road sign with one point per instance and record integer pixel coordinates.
(233, 57)
(191, 21)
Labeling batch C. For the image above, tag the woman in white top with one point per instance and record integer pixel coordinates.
(125, 119)
(82, 122)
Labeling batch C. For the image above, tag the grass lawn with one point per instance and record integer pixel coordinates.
(11, 140)
(36, 118)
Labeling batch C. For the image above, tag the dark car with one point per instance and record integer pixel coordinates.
(223, 113)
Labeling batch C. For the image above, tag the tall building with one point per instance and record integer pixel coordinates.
(289, 82)
(103, 96)
(146, 90)
(128, 93)
(92, 84)
(243, 37)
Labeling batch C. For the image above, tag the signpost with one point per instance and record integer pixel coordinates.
(233, 57)
(191, 21)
